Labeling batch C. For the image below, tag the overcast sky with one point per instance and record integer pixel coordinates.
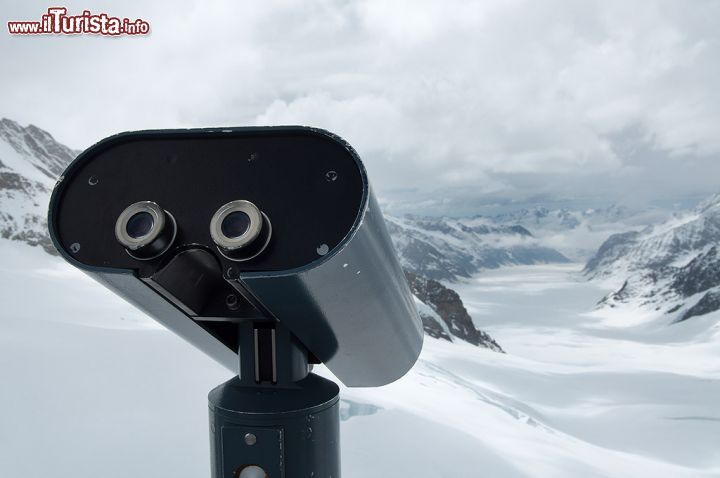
(455, 106)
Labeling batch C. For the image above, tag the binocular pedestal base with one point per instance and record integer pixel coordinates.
(275, 432)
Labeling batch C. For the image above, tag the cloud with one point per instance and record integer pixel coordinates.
(452, 103)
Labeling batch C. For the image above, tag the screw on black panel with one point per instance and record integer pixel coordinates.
(232, 302)
(331, 176)
(93, 180)
(231, 273)
(75, 247)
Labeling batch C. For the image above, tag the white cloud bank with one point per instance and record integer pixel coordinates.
(451, 103)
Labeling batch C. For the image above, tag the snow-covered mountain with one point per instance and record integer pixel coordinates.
(578, 233)
(30, 163)
(672, 268)
(562, 218)
(450, 248)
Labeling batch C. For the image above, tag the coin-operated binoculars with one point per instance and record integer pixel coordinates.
(266, 249)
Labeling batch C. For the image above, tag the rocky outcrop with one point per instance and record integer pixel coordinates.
(709, 302)
(699, 275)
(449, 307)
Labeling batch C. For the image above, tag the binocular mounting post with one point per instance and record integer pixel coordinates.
(274, 420)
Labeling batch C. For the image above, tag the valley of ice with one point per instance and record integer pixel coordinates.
(91, 387)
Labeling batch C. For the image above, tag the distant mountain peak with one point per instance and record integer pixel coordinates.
(30, 163)
(36, 151)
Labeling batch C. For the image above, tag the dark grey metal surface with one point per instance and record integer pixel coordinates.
(361, 295)
(295, 431)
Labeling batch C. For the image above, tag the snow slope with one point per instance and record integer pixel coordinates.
(92, 388)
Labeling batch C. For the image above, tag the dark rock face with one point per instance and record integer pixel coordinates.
(10, 180)
(710, 302)
(701, 274)
(433, 328)
(448, 305)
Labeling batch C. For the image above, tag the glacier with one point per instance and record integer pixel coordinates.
(91, 384)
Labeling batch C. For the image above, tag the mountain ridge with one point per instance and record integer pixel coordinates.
(448, 249)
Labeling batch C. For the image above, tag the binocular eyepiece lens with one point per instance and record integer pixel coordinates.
(145, 230)
(235, 224)
(140, 225)
(240, 230)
